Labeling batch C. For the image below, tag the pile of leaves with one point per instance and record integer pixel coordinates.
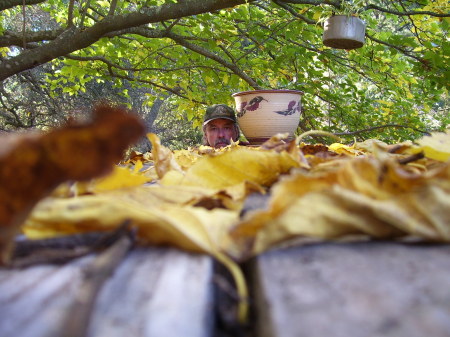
(237, 202)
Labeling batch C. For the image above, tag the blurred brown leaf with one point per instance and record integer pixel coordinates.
(32, 165)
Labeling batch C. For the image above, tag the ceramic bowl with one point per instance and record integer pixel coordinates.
(264, 113)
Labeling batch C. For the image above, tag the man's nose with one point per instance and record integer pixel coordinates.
(221, 132)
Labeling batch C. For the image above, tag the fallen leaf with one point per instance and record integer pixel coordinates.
(186, 158)
(362, 196)
(163, 157)
(121, 177)
(186, 227)
(32, 165)
(238, 165)
(436, 146)
(345, 149)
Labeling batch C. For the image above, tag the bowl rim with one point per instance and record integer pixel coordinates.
(266, 91)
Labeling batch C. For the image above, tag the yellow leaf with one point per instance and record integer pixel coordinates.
(344, 149)
(237, 165)
(364, 196)
(386, 103)
(185, 158)
(163, 157)
(436, 146)
(190, 228)
(225, 79)
(138, 166)
(121, 177)
(317, 15)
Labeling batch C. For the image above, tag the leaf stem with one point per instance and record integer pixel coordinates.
(241, 286)
(316, 133)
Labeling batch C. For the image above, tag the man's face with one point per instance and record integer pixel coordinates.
(219, 132)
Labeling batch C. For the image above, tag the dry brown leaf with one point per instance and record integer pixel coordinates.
(32, 165)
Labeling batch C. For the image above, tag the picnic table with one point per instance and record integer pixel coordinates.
(314, 290)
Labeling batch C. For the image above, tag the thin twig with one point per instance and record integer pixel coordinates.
(84, 12)
(112, 8)
(380, 127)
(24, 25)
(70, 13)
(403, 51)
(407, 13)
(294, 12)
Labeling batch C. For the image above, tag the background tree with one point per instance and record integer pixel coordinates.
(189, 54)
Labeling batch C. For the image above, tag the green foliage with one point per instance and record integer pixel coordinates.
(399, 77)
(175, 130)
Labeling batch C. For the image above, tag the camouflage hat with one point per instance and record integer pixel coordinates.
(217, 111)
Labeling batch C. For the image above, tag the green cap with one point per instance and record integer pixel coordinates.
(217, 111)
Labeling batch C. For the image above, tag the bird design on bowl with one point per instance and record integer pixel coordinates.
(292, 108)
(251, 106)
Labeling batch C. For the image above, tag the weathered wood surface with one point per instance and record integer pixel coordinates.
(154, 292)
(360, 289)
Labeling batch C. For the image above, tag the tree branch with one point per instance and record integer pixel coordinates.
(82, 38)
(199, 50)
(403, 51)
(380, 127)
(70, 13)
(337, 5)
(409, 13)
(7, 4)
(10, 38)
(112, 8)
(294, 12)
(131, 69)
(24, 23)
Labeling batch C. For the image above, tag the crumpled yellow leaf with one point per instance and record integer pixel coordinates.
(163, 157)
(222, 168)
(56, 216)
(345, 149)
(436, 146)
(121, 177)
(235, 166)
(182, 226)
(370, 145)
(185, 158)
(364, 196)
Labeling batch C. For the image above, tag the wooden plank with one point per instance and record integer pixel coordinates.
(157, 293)
(359, 289)
(154, 292)
(33, 300)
